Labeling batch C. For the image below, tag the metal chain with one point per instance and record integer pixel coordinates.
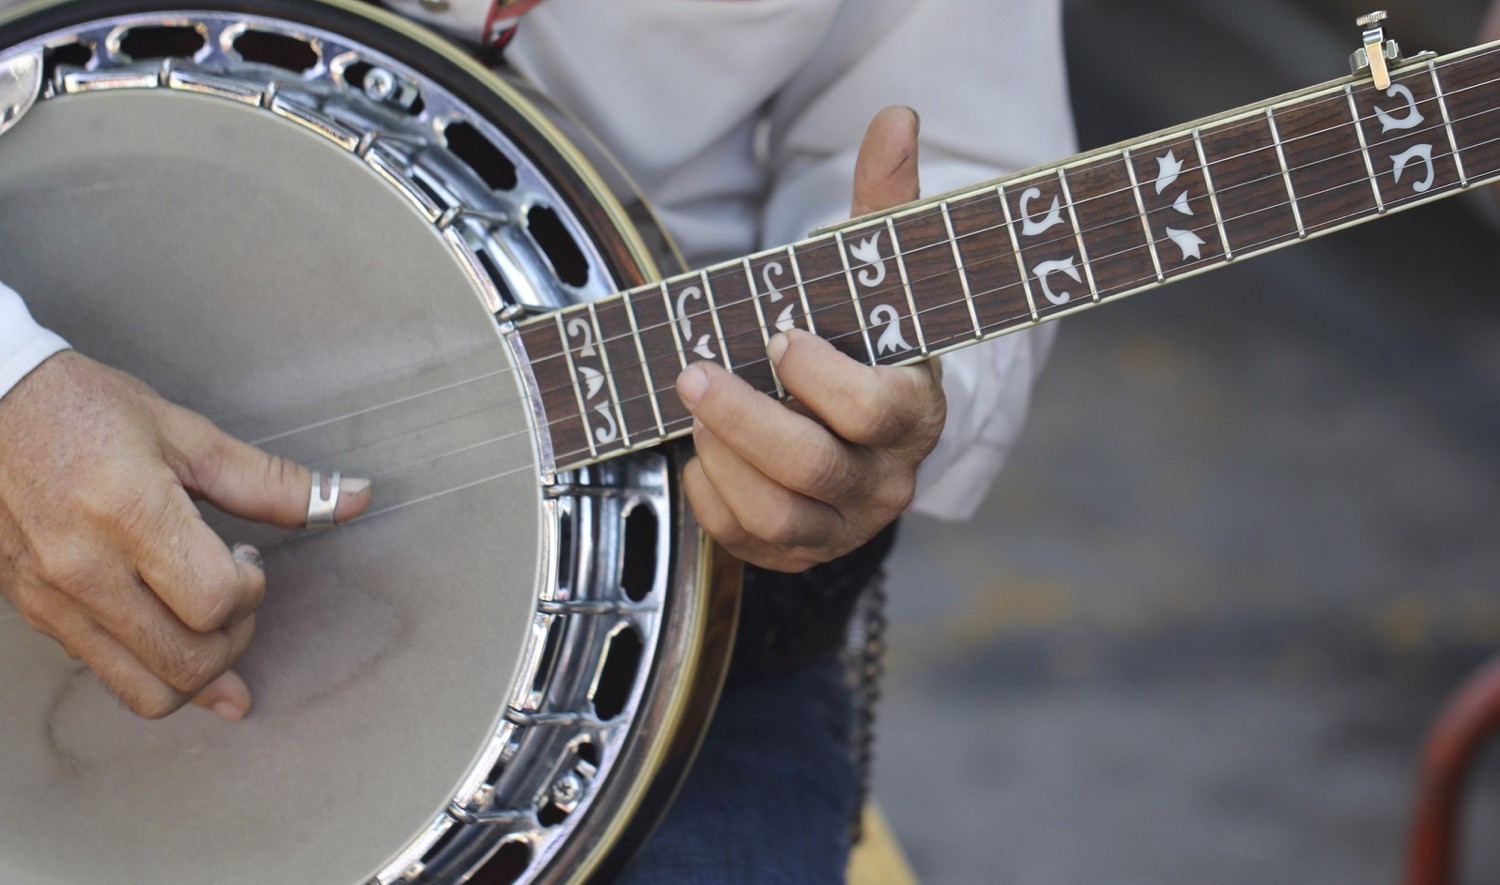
(864, 665)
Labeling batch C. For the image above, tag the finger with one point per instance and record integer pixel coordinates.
(875, 406)
(228, 697)
(719, 523)
(768, 511)
(204, 584)
(129, 612)
(765, 433)
(122, 673)
(885, 171)
(250, 483)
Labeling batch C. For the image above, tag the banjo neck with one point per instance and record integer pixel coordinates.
(950, 271)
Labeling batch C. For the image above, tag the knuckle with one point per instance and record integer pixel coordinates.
(194, 666)
(280, 472)
(70, 571)
(205, 611)
(780, 527)
(218, 595)
(823, 471)
(894, 494)
(882, 418)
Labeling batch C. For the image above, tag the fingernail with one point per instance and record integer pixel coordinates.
(776, 348)
(916, 119)
(247, 554)
(228, 711)
(691, 384)
(351, 487)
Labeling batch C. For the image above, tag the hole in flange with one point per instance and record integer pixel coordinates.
(550, 234)
(496, 772)
(565, 527)
(443, 842)
(354, 74)
(550, 815)
(496, 277)
(68, 55)
(162, 41)
(550, 650)
(277, 50)
(588, 753)
(617, 673)
(506, 867)
(479, 154)
(638, 572)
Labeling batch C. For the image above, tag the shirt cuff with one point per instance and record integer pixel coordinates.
(23, 344)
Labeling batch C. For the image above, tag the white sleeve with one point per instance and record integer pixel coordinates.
(23, 344)
(988, 80)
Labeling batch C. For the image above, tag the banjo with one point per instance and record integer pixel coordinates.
(342, 240)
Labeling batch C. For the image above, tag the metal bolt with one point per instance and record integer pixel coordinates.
(567, 790)
(380, 84)
(1372, 19)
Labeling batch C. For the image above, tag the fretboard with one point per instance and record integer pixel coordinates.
(955, 270)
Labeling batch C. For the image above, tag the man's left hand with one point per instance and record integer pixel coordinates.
(789, 488)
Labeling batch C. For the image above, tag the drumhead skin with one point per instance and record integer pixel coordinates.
(250, 270)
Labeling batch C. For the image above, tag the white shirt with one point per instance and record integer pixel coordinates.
(739, 121)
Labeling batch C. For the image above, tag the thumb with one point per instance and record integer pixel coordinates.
(885, 172)
(253, 484)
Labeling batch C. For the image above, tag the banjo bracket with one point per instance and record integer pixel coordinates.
(20, 84)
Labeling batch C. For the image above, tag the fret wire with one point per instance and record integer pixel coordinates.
(1140, 205)
(672, 320)
(609, 375)
(1217, 162)
(583, 412)
(713, 312)
(765, 333)
(859, 311)
(1015, 245)
(1083, 250)
(1213, 195)
(1286, 174)
(1437, 87)
(1364, 149)
(640, 349)
(963, 275)
(791, 253)
(911, 302)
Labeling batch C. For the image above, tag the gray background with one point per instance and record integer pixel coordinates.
(1247, 545)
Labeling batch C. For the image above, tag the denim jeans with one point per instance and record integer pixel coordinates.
(771, 796)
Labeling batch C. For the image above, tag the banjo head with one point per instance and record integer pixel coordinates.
(316, 240)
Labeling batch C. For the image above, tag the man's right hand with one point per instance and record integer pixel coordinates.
(102, 548)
